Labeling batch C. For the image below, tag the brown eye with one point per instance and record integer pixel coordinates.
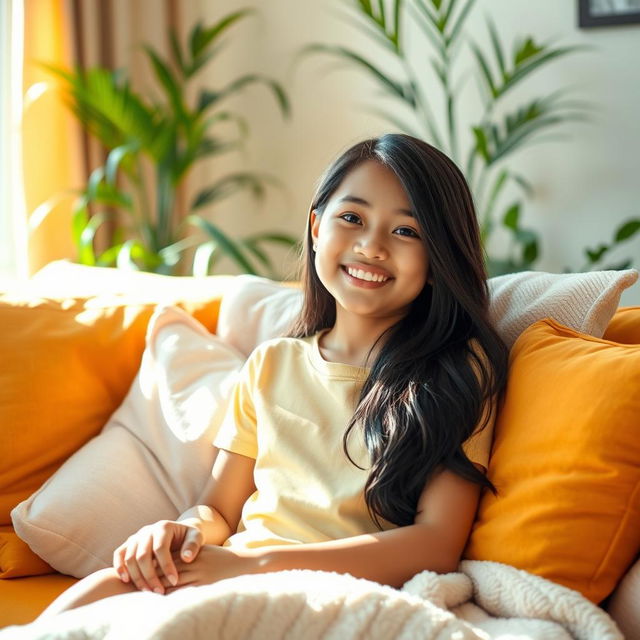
(350, 217)
(406, 231)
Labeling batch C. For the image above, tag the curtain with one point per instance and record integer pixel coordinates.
(58, 157)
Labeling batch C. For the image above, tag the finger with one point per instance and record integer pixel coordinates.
(119, 564)
(162, 553)
(145, 556)
(191, 545)
(131, 562)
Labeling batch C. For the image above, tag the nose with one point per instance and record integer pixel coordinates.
(371, 247)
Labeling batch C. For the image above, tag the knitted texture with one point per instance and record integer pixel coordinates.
(484, 601)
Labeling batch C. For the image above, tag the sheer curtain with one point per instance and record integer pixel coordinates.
(13, 233)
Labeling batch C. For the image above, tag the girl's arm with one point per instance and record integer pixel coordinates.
(219, 507)
(436, 540)
(146, 557)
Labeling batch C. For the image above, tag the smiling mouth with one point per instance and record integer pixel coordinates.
(366, 276)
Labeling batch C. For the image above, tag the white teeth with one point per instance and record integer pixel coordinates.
(366, 275)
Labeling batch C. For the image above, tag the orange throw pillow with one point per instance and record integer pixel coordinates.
(566, 462)
(624, 326)
(17, 559)
(67, 364)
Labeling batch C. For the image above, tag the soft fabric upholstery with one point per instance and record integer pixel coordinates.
(22, 599)
(565, 462)
(624, 326)
(151, 460)
(265, 307)
(17, 559)
(66, 365)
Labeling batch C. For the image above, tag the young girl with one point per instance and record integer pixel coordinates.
(358, 444)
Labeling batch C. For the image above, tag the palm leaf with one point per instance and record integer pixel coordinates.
(203, 258)
(484, 68)
(230, 184)
(117, 157)
(627, 230)
(497, 48)
(277, 89)
(395, 88)
(225, 244)
(530, 64)
(370, 27)
(393, 119)
(201, 38)
(171, 86)
(462, 16)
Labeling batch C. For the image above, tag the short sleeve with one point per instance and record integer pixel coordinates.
(478, 446)
(238, 430)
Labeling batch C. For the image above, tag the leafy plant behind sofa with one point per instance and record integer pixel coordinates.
(497, 134)
(170, 136)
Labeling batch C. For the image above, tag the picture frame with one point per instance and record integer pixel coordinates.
(603, 13)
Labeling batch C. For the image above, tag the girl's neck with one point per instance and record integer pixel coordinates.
(351, 342)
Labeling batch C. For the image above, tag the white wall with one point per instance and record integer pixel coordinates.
(585, 186)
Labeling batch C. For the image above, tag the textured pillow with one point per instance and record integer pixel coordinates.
(566, 462)
(151, 460)
(585, 302)
(624, 326)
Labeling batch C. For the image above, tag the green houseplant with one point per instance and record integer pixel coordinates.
(498, 132)
(152, 144)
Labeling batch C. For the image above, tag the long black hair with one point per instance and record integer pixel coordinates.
(441, 365)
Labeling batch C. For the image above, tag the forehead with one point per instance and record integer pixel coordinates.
(375, 183)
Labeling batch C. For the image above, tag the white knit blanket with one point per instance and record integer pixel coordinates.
(485, 600)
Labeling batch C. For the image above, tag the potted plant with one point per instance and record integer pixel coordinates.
(497, 133)
(164, 137)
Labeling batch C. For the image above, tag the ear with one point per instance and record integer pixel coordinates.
(314, 223)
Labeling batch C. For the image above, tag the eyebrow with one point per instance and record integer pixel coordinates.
(362, 201)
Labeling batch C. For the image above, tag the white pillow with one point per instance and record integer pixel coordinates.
(585, 302)
(151, 460)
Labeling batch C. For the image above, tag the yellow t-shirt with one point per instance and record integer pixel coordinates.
(289, 412)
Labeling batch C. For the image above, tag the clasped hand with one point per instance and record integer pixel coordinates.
(168, 555)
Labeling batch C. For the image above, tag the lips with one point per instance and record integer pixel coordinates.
(366, 273)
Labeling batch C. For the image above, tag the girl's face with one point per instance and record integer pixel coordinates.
(370, 254)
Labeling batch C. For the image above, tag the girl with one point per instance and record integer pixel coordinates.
(359, 443)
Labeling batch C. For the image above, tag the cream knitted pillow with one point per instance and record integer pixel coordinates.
(584, 302)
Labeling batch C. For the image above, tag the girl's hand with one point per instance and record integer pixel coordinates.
(214, 563)
(149, 549)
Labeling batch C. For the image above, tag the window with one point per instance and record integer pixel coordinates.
(13, 232)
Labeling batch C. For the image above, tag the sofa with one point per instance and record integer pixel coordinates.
(94, 360)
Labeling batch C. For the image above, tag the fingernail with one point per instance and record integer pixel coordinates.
(173, 580)
(158, 590)
(123, 576)
(187, 553)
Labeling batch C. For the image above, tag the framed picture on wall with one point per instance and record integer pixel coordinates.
(600, 13)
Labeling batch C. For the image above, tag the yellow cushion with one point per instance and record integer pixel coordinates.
(566, 462)
(67, 364)
(17, 559)
(22, 600)
(624, 326)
